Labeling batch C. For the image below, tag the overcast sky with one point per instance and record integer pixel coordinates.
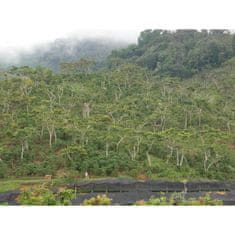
(24, 23)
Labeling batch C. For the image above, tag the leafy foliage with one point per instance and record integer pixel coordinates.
(179, 53)
(178, 199)
(42, 195)
(99, 200)
(125, 120)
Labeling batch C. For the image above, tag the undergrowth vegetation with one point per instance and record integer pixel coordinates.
(42, 195)
(178, 199)
(127, 119)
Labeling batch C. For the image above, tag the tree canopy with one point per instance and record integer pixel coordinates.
(179, 53)
(138, 117)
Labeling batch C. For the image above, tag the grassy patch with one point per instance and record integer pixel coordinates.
(12, 184)
(3, 203)
(16, 183)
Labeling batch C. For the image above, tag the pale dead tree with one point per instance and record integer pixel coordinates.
(120, 118)
(170, 155)
(116, 120)
(185, 188)
(112, 117)
(86, 175)
(199, 117)
(177, 157)
(42, 132)
(107, 149)
(138, 144)
(149, 159)
(163, 91)
(180, 157)
(56, 96)
(163, 121)
(190, 116)
(140, 126)
(118, 93)
(148, 86)
(207, 157)
(162, 113)
(86, 110)
(52, 98)
(135, 149)
(229, 126)
(126, 84)
(24, 146)
(102, 85)
(26, 89)
(119, 142)
(133, 152)
(168, 92)
(107, 143)
(185, 120)
(60, 92)
(5, 101)
(55, 136)
(83, 137)
(6, 107)
(52, 133)
(26, 86)
(148, 155)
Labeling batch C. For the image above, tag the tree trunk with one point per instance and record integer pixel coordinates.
(22, 151)
(186, 121)
(107, 149)
(55, 136)
(177, 157)
(50, 139)
(119, 142)
(149, 159)
(205, 161)
(182, 159)
(199, 118)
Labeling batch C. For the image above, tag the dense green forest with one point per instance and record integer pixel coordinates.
(179, 53)
(164, 108)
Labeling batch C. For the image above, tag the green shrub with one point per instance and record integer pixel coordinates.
(179, 200)
(35, 169)
(37, 196)
(66, 196)
(98, 200)
(3, 170)
(41, 195)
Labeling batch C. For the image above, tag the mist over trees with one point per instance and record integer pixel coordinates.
(138, 117)
(51, 55)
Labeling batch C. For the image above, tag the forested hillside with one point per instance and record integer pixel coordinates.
(181, 52)
(51, 55)
(128, 120)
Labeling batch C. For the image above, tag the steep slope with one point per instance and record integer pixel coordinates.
(179, 53)
(124, 121)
